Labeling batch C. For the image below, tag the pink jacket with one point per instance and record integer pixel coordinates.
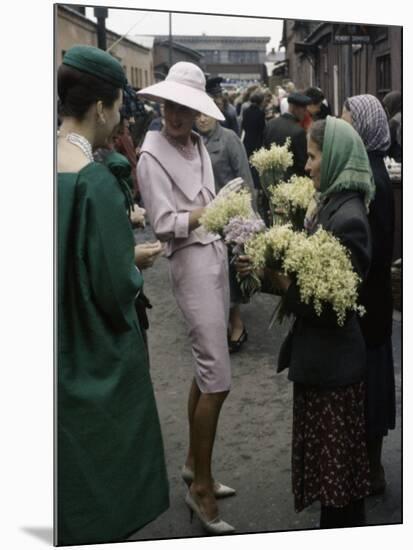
(171, 189)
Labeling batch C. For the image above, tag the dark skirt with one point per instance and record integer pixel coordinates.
(329, 454)
(236, 295)
(380, 391)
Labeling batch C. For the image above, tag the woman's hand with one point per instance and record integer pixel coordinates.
(243, 266)
(137, 216)
(147, 253)
(278, 279)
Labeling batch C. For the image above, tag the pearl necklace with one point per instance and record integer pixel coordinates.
(187, 151)
(81, 142)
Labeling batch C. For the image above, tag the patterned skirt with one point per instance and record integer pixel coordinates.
(329, 453)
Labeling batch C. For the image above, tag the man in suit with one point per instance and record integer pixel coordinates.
(286, 126)
(214, 89)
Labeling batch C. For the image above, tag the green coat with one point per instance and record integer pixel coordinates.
(111, 476)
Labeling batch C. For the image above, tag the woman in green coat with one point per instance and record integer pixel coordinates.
(111, 476)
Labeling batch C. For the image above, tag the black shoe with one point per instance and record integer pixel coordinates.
(236, 345)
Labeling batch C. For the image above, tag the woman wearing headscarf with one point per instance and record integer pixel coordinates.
(392, 103)
(111, 476)
(177, 184)
(326, 361)
(368, 118)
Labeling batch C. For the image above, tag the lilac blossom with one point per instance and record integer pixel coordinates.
(239, 230)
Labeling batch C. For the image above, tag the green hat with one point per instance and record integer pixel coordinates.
(96, 62)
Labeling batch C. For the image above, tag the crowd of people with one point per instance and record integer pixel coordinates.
(118, 167)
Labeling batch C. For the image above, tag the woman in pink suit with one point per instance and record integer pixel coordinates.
(177, 184)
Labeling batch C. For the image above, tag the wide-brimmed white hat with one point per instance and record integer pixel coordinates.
(185, 84)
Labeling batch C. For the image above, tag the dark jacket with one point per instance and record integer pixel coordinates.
(253, 123)
(278, 130)
(376, 295)
(231, 121)
(318, 351)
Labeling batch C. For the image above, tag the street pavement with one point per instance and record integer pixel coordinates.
(253, 444)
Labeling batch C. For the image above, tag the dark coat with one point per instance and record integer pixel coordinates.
(283, 127)
(253, 123)
(318, 351)
(376, 295)
(231, 121)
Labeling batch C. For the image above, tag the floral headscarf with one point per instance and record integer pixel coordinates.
(370, 121)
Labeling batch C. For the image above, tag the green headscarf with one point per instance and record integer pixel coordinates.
(345, 164)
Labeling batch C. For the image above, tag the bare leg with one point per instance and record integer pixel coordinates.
(203, 432)
(193, 399)
(235, 322)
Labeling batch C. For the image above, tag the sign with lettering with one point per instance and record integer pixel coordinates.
(351, 34)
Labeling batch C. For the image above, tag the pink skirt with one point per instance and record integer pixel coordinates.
(199, 277)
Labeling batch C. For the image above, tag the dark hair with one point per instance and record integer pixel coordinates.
(317, 131)
(347, 105)
(78, 91)
(315, 94)
(257, 98)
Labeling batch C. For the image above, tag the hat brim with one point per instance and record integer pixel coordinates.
(184, 95)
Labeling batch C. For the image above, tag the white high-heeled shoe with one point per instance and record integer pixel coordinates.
(213, 527)
(220, 490)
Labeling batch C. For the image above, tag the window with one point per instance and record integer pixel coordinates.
(146, 77)
(243, 56)
(140, 83)
(211, 56)
(383, 75)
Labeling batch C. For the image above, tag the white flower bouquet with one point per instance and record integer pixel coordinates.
(324, 273)
(220, 212)
(271, 165)
(319, 264)
(293, 198)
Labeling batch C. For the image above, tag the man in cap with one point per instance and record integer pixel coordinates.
(214, 89)
(286, 126)
(318, 108)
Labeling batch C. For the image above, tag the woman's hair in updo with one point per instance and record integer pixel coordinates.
(78, 91)
(317, 131)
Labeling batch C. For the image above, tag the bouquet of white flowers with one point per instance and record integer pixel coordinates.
(293, 198)
(324, 273)
(220, 212)
(319, 264)
(271, 165)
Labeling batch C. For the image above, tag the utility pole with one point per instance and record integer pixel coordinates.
(101, 14)
(170, 39)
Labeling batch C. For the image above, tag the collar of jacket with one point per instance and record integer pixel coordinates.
(334, 203)
(292, 117)
(173, 163)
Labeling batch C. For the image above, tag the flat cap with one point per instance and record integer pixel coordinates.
(299, 99)
(213, 86)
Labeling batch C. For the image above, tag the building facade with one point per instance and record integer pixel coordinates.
(72, 27)
(236, 58)
(343, 59)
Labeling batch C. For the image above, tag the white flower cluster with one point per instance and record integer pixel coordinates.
(320, 263)
(268, 249)
(324, 273)
(275, 159)
(223, 209)
(293, 195)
